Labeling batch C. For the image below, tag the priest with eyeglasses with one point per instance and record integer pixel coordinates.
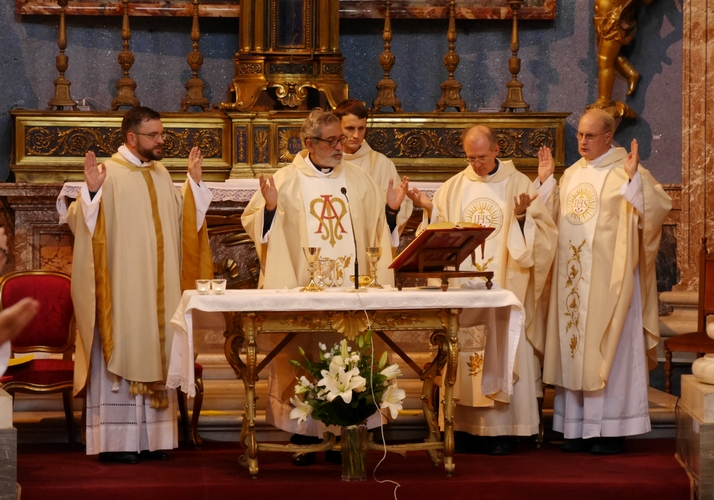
(321, 201)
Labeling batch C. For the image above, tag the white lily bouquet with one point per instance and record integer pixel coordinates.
(347, 387)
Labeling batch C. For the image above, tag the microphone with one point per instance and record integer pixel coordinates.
(354, 237)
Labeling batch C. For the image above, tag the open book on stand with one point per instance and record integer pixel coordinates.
(439, 250)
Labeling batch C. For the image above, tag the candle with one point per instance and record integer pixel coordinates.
(203, 286)
(218, 286)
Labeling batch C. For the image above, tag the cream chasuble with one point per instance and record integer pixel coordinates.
(126, 284)
(521, 262)
(302, 193)
(578, 220)
(329, 225)
(381, 169)
(603, 305)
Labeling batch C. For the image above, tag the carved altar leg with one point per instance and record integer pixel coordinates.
(452, 343)
(429, 399)
(247, 373)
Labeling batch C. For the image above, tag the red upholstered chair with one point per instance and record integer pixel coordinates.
(697, 342)
(51, 331)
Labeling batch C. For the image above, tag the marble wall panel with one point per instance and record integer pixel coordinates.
(697, 218)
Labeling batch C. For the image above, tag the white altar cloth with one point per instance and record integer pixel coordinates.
(497, 307)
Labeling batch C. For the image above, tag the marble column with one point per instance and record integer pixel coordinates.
(697, 139)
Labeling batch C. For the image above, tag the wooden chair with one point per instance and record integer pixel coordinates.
(196, 413)
(51, 331)
(697, 342)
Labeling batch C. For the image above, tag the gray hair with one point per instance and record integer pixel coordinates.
(312, 127)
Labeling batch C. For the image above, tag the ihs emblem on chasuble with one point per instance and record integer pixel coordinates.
(582, 204)
(329, 211)
(486, 212)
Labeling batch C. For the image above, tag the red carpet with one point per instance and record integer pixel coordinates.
(647, 470)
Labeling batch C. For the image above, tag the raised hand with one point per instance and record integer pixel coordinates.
(94, 174)
(269, 192)
(195, 163)
(522, 202)
(546, 164)
(16, 317)
(396, 196)
(633, 160)
(420, 199)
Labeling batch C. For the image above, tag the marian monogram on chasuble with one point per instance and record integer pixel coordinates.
(329, 226)
(579, 221)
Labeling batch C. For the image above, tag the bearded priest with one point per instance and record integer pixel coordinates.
(316, 201)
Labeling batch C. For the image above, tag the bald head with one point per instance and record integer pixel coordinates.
(478, 132)
(481, 149)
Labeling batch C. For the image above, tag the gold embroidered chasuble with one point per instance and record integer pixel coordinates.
(523, 262)
(523, 271)
(282, 260)
(283, 263)
(622, 240)
(381, 169)
(127, 276)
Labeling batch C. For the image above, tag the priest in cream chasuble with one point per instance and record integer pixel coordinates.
(353, 118)
(519, 251)
(302, 205)
(603, 317)
(138, 242)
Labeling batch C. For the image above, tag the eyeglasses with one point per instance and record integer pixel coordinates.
(479, 159)
(588, 137)
(332, 142)
(154, 136)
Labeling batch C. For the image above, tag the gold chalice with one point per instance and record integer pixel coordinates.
(311, 254)
(373, 256)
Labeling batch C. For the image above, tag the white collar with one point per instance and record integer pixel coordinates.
(131, 157)
(321, 172)
(596, 162)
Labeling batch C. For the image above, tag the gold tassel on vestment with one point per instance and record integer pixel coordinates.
(159, 398)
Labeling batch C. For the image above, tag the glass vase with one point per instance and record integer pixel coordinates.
(354, 452)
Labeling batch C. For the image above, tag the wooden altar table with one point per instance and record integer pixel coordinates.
(349, 313)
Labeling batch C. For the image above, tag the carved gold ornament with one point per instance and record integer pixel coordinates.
(350, 324)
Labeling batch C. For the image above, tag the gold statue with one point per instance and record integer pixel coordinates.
(615, 26)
